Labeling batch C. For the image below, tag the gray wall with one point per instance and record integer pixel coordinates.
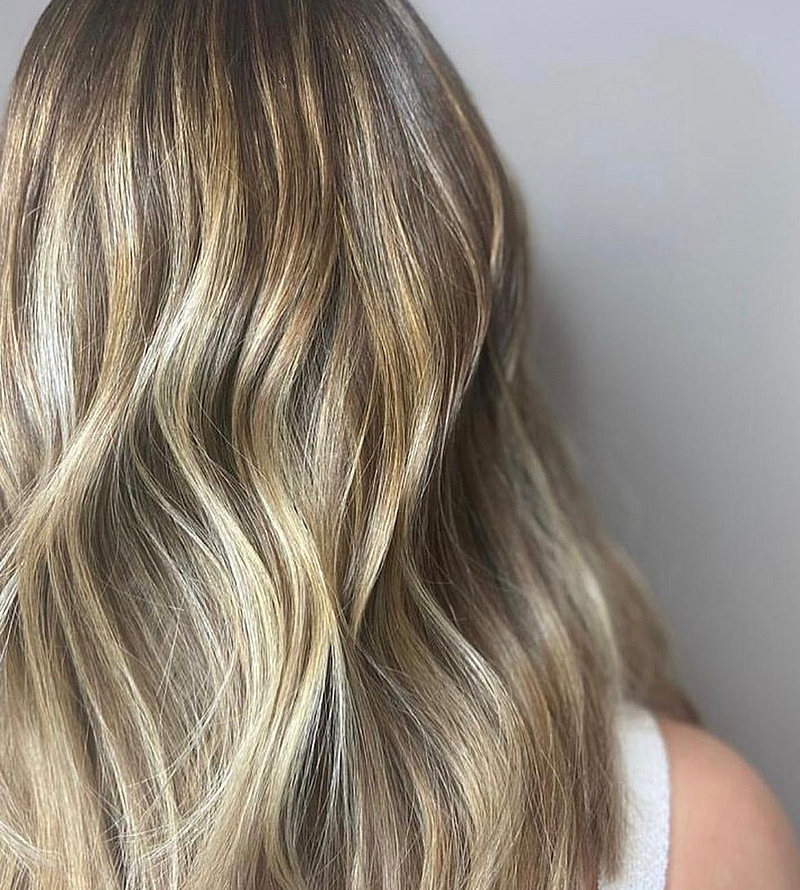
(658, 147)
(17, 18)
(659, 151)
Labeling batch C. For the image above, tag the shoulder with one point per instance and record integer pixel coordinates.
(728, 831)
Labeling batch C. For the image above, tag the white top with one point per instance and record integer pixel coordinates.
(645, 771)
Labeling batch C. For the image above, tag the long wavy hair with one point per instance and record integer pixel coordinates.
(298, 588)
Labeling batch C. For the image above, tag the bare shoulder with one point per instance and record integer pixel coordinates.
(728, 830)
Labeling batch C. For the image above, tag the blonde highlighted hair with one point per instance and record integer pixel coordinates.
(297, 586)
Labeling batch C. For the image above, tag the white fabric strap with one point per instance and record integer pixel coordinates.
(645, 769)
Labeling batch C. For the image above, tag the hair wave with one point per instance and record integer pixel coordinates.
(298, 588)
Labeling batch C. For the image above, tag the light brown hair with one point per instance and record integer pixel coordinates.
(298, 588)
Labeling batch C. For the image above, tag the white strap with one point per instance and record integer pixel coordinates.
(645, 769)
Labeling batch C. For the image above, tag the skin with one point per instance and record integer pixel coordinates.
(728, 831)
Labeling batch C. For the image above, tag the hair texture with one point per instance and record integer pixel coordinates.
(298, 588)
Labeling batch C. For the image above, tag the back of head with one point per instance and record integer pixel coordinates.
(298, 590)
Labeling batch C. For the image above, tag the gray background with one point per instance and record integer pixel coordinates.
(658, 148)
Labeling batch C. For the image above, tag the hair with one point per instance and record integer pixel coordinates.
(298, 586)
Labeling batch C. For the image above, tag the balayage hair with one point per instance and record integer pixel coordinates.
(298, 587)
